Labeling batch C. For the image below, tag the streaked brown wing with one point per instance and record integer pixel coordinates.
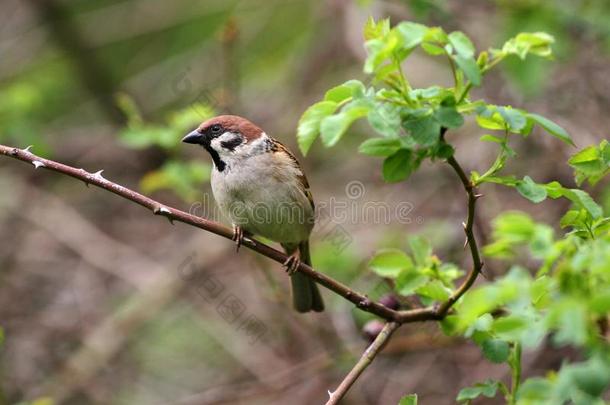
(279, 147)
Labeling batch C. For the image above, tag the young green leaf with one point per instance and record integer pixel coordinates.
(426, 130)
(408, 281)
(309, 124)
(495, 350)
(398, 166)
(530, 190)
(390, 262)
(462, 44)
(487, 389)
(385, 119)
(334, 127)
(380, 146)
(434, 290)
(470, 68)
(412, 33)
(552, 128)
(374, 30)
(351, 88)
(449, 117)
(536, 43)
(515, 119)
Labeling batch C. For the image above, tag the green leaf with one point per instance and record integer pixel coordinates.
(462, 44)
(390, 262)
(380, 146)
(591, 163)
(334, 127)
(569, 317)
(536, 43)
(351, 88)
(487, 388)
(426, 131)
(420, 248)
(552, 128)
(432, 49)
(449, 117)
(530, 190)
(412, 33)
(515, 119)
(435, 290)
(491, 120)
(398, 166)
(578, 197)
(385, 119)
(491, 138)
(374, 30)
(309, 124)
(470, 68)
(409, 280)
(495, 350)
(410, 399)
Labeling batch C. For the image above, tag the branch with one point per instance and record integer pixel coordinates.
(426, 313)
(477, 263)
(367, 358)
(173, 214)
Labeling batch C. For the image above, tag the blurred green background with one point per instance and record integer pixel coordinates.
(101, 303)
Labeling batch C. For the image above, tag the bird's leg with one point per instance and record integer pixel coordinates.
(238, 236)
(293, 262)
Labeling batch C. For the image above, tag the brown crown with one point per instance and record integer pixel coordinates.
(233, 123)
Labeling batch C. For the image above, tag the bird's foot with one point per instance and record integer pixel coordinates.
(292, 263)
(238, 236)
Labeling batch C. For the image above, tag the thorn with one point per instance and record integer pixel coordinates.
(98, 175)
(161, 210)
(465, 243)
(365, 303)
(477, 196)
(28, 148)
(37, 164)
(464, 225)
(330, 394)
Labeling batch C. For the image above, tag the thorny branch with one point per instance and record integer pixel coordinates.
(435, 314)
(395, 318)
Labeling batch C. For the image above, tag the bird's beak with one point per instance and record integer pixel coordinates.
(194, 137)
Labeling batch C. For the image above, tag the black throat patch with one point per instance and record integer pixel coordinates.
(219, 163)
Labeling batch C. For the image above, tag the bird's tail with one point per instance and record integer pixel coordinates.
(305, 293)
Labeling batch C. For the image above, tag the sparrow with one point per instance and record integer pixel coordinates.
(259, 185)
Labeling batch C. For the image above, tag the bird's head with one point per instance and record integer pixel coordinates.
(227, 138)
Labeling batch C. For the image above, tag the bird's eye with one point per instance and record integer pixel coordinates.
(216, 129)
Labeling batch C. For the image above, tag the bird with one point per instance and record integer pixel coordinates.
(259, 185)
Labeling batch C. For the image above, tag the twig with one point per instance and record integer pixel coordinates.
(367, 357)
(173, 214)
(477, 264)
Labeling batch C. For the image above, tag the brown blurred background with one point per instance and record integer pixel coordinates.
(103, 303)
